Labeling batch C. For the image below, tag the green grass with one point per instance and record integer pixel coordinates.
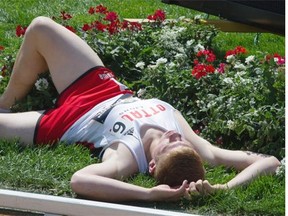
(48, 170)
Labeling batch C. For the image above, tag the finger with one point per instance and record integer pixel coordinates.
(192, 189)
(208, 187)
(199, 186)
(179, 192)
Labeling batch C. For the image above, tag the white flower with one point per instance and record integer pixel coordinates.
(230, 58)
(230, 124)
(161, 61)
(171, 65)
(179, 56)
(140, 65)
(198, 48)
(190, 42)
(281, 169)
(198, 16)
(115, 51)
(181, 18)
(240, 66)
(152, 67)
(41, 84)
(228, 80)
(250, 59)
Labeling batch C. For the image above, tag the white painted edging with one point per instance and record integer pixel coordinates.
(73, 207)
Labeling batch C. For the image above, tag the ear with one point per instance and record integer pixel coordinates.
(152, 167)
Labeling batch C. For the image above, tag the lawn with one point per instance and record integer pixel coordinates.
(48, 170)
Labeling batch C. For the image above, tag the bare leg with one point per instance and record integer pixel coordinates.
(19, 125)
(46, 46)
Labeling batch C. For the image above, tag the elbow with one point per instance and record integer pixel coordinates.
(77, 183)
(74, 183)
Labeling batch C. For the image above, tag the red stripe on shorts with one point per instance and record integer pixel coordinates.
(92, 88)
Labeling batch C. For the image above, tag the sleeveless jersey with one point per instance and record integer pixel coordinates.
(117, 120)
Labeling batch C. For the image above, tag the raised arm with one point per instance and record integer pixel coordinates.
(250, 164)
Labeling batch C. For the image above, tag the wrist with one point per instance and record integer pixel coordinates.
(225, 186)
(148, 194)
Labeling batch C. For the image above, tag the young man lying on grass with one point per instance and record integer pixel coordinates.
(133, 135)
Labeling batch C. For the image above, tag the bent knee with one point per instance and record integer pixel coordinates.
(39, 24)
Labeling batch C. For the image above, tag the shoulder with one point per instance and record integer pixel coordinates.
(119, 156)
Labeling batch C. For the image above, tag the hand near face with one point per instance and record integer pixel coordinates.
(204, 187)
(164, 192)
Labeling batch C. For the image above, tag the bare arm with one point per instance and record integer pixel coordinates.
(250, 164)
(102, 181)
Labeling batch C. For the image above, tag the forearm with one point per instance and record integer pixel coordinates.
(107, 189)
(261, 167)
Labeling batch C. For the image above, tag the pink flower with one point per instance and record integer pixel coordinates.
(221, 68)
(279, 59)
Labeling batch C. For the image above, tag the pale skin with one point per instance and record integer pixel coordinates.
(49, 46)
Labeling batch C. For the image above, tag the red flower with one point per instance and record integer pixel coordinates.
(99, 26)
(91, 10)
(113, 27)
(86, 27)
(237, 51)
(1, 48)
(208, 55)
(101, 9)
(240, 50)
(219, 141)
(201, 70)
(71, 28)
(133, 26)
(3, 70)
(111, 16)
(20, 30)
(65, 16)
(159, 16)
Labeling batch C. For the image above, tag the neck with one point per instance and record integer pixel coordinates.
(150, 138)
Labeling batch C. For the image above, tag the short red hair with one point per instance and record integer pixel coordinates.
(181, 164)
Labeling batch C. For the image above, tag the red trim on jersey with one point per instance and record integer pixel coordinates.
(92, 88)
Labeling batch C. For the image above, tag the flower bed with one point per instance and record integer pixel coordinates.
(235, 100)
